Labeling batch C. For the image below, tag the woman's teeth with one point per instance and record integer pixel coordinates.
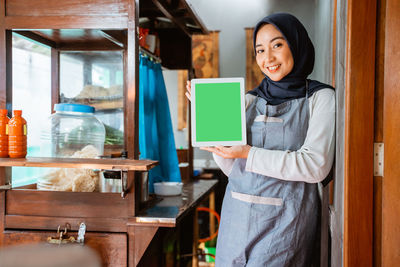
(273, 68)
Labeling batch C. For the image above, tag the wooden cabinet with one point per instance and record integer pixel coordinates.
(111, 247)
(113, 226)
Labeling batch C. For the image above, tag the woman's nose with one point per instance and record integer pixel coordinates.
(268, 56)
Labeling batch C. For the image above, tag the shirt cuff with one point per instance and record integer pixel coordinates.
(250, 158)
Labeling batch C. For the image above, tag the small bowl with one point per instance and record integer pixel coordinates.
(168, 188)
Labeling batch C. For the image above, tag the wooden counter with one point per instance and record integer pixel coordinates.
(30, 218)
(170, 210)
(30, 209)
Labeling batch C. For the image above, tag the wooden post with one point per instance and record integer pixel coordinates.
(55, 77)
(211, 205)
(195, 259)
(359, 133)
(131, 97)
(5, 99)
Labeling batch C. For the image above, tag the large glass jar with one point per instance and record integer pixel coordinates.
(70, 129)
(71, 132)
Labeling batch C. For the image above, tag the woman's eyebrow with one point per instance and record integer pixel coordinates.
(278, 37)
(273, 39)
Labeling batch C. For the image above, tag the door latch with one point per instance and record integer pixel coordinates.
(63, 238)
(81, 233)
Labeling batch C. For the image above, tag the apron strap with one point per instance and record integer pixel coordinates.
(306, 88)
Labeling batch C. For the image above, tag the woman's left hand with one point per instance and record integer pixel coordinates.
(229, 152)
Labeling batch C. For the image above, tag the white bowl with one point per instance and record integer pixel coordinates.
(168, 188)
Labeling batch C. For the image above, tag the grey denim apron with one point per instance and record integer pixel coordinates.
(267, 221)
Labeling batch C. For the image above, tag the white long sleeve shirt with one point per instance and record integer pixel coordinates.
(312, 162)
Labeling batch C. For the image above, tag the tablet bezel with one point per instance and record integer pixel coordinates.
(196, 143)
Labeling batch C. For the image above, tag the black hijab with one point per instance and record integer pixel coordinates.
(294, 84)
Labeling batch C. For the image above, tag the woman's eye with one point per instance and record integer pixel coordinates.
(277, 45)
(259, 51)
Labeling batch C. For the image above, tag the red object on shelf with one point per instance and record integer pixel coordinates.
(149, 41)
(142, 37)
(3, 133)
(17, 131)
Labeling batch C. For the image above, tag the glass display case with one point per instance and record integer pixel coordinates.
(92, 78)
(95, 78)
(92, 55)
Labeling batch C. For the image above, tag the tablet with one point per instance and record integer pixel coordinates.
(218, 112)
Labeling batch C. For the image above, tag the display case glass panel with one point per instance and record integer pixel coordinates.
(95, 78)
(31, 84)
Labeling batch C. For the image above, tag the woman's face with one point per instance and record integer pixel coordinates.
(273, 53)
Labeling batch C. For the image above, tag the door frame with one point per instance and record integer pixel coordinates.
(391, 115)
(359, 133)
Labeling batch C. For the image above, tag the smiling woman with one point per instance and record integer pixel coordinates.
(273, 54)
(270, 213)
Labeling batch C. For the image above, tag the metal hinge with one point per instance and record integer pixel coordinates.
(378, 159)
(5, 187)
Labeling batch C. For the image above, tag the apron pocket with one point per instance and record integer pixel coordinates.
(273, 134)
(257, 200)
(266, 132)
(255, 134)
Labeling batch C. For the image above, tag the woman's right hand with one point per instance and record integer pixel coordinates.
(188, 90)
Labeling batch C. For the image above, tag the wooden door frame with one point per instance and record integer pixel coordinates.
(359, 133)
(391, 115)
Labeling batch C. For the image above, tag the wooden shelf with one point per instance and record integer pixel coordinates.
(104, 164)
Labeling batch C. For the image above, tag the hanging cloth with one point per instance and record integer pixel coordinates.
(156, 137)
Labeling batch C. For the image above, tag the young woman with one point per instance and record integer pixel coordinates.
(271, 206)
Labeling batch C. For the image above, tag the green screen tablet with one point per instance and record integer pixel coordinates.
(218, 112)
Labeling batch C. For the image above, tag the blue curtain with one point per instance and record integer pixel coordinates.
(156, 136)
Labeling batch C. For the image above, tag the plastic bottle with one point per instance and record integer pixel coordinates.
(17, 130)
(3, 133)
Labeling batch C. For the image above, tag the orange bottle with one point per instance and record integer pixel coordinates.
(17, 145)
(3, 133)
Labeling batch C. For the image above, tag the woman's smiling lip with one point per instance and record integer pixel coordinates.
(274, 68)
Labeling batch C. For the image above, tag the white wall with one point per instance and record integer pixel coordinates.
(323, 41)
(171, 83)
(231, 17)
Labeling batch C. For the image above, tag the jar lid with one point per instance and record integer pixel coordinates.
(73, 108)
